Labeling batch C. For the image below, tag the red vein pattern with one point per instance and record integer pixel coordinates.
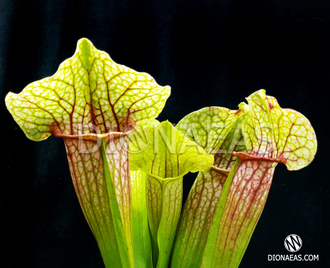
(244, 204)
(196, 218)
(87, 171)
(88, 99)
(223, 130)
(117, 156)
(264, 135)
(89, 93)
(282, 134)
(272, 135)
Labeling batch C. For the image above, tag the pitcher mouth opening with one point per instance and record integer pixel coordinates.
(254, 156)
(93, 136)
(91, 132)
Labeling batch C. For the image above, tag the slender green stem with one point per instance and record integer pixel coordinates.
(140, 228)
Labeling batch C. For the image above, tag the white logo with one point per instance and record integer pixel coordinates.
(293, 243)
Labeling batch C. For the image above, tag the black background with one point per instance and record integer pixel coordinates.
(210, 53)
